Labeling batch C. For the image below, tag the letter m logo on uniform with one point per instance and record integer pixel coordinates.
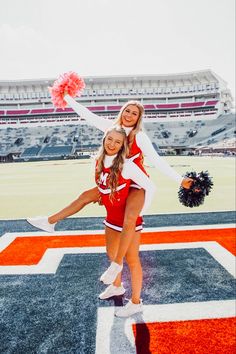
(103, 178)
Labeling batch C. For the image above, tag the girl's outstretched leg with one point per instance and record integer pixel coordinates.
(48, 223)
(87, 197)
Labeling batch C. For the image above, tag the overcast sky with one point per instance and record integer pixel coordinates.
(44, 38)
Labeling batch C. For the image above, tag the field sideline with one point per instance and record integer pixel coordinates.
(42, 188)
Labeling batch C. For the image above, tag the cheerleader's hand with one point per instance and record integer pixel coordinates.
(187, 183)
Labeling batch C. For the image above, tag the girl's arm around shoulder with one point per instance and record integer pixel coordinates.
(91, 118)
(132, 171)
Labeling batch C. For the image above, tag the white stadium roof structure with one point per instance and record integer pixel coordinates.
(181, 110)
(164, 96)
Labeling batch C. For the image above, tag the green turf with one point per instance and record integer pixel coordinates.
(42, 188)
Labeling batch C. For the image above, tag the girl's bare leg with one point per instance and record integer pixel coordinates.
(133, 260)
(133, 208)
(112, 244)
(89, 196)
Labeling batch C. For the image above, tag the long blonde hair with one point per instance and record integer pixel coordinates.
(118, 161)
(138, 125)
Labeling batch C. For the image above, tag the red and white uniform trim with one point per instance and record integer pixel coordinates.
(108, 190)
(119, 228)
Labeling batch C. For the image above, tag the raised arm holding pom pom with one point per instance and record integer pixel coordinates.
(201, 186)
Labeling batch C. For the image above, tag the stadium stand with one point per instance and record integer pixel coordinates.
(191, 133)
(56, 151)
(31, 151)
(184, 112)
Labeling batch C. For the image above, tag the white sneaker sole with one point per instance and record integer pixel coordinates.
(108, 297)
(108, 281)
(35, 224)
(127, 315)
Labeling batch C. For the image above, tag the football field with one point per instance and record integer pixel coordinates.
(42, 188)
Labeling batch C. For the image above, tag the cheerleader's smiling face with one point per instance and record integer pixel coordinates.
(113, 142)
(130, 116)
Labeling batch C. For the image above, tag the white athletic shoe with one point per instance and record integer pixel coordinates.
(41, 222)
(129, 309)
(112, 290)
(109, 276)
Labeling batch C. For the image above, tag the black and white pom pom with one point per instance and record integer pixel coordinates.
(202, 185)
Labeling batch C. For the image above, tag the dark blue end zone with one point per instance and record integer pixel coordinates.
(58, 313)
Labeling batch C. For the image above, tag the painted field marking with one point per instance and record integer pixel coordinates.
(52, 257)
(9, 237)
(115, 335)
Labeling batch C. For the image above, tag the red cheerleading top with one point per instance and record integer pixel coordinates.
(116, 207)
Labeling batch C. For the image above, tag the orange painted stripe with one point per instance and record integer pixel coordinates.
(225, 237)
(29, 250)
(213, 336)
